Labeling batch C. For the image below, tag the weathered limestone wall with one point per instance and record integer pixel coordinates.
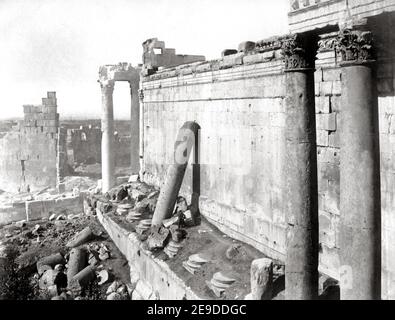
(240, 108)
(307, 15)
(28, 157)
(238, 102)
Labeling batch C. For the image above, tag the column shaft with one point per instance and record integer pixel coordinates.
(108, 142)
(134, 128)
(186, 140)
(360, 222)
(301, 265)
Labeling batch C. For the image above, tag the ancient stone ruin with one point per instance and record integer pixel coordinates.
(271, 166)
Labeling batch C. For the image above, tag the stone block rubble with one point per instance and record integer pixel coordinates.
(81, 265)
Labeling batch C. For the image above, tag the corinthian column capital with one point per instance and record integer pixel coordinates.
(355, 46)
(299, 52)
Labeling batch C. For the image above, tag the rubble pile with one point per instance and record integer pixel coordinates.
(218, 270)
(63, 258)
(135, 203)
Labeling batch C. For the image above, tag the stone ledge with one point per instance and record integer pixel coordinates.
(227, 62)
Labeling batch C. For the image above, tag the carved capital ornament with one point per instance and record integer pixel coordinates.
(355, 46)
(297, 53)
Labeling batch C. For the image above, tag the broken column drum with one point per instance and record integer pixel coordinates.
(360, 221)
(108, 141)
(301, 265)
(186, 140)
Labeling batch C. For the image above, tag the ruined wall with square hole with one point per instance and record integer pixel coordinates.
(28, 158)
(83, 145)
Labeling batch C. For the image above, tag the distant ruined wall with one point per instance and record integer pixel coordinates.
(28, 157)
(83, 145)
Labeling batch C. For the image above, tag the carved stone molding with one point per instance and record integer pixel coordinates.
(327, 42)
(355, 46)
(273, 43)
(299, 52)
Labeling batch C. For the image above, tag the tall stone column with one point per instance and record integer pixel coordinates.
(301, 265)
(360, 221)
(108, 141)
(134, 127)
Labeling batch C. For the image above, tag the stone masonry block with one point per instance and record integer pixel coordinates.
(322, 138)
(49, 109)
(332, 198)
(317, 88)
(51, 94)
(258, 58)
(330, 172)
(334, 139)
(326, 121)
(30, 123)
(336, 88)
(49, 101)
(331, 74)
(385, 86)
(327, 88)
(27, 108)
(50, 116)
(50, 123)
(232, 60)
(318, 75)
(384, 70)
(37, 109)
(51, 129)
(335, 103)
(322, 104)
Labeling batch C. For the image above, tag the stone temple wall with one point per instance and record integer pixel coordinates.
(238, 101)
(28, 158)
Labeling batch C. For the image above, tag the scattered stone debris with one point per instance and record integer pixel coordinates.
(104, 276)
(194, 263)
(158, 238)
(123, 208)
(261, 279)
(59, 257)
(219, 283)
(172, 248)
(117, 291)
(82, 237)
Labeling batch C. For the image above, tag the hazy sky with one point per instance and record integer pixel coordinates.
(58, 45)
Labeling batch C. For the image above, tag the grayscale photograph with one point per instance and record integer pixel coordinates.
(219, 151)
